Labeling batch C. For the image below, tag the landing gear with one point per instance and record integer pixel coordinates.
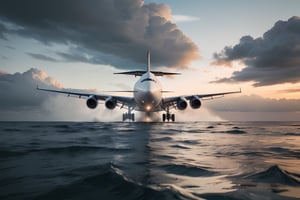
(130, 116)
(168, 117)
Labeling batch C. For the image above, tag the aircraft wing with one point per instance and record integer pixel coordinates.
(121, 100)
(213, 95)
(170, 101)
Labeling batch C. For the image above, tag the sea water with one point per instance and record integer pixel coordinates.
(189, 160)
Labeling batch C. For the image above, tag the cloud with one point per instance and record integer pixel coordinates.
(254, 103)
(272, 59)
(255, 108)
(4, 57)
(18, 90)
(290, 90)
(2, 31)
(184, 18)
(117, 29)
(42, 57)
(21, 101)
(2, 73)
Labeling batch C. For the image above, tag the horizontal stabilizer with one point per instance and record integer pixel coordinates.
(132, 91)
(156, 73)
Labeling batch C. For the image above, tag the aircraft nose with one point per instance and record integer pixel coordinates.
(150, 86)
(148, 98)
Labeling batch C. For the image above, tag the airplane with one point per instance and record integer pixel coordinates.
(147, 96)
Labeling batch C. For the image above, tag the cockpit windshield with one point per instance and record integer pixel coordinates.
(147, 79)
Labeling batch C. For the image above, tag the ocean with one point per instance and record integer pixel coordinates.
(188, 160)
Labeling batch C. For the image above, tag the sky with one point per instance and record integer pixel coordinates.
(218, 46)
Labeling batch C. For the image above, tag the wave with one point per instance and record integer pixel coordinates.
(166, 157)
(177, 146)
(243, 194)
(293, 134)
(162, 139)
(12, 130)
(57, 150)
(79, 148)
(111, 183)
(187, 170)
(285, 152)
(275, 174)
(65, 126)
(209, 127)
(236, 131)
(5, 153)
(191, 142)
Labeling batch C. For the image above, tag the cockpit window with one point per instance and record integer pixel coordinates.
(147, 79)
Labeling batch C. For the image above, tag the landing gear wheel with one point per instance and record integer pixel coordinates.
(164, 117)
(132, 117)
(173, 117)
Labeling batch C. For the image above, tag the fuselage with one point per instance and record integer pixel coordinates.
(148, 93)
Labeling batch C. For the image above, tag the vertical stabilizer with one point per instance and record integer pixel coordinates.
(148, 58)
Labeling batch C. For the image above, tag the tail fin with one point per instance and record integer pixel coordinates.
(156, 73)
(148, 57)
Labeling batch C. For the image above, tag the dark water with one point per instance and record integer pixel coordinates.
(202, 160)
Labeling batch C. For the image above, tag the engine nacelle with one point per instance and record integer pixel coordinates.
(110, 103)
(195, 102)
(92, 102)
(181, 103)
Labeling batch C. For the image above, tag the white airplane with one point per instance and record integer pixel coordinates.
(147, 96)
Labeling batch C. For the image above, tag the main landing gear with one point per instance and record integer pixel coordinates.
(130, 116)
(167, 116)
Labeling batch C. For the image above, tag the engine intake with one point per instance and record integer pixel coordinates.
(181, 103)
(195, 102)
(92, 102)
(110, 103)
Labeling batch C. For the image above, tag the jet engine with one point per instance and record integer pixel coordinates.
(181, 103)
(92, 102)
(110, 103)
(195, 102)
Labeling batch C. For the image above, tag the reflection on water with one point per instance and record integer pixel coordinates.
(200, 160)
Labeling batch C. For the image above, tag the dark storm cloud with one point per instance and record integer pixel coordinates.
(272, 59)
(3, 30)
(123, 29)
(4, 57)
(42, 57)
(75, 55)
(10, 47)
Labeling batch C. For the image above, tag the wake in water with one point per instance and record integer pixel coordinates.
(207, 160)
(149, 117)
